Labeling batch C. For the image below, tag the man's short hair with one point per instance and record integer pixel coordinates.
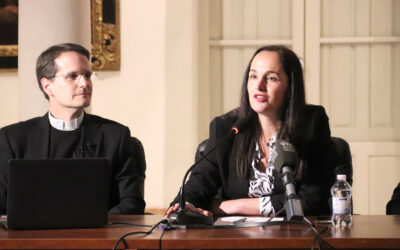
(45, 65)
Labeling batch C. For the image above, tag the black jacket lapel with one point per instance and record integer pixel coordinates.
(92, 138)
(41, 138)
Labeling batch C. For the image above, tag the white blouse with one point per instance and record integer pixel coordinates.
(262, 184)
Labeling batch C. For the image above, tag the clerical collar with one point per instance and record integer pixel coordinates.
(66, 125)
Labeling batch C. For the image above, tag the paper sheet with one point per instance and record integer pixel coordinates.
(234, 220)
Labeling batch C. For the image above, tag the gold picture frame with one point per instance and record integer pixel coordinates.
(8, 50)
(8, 54)
(8, 35)
(105, 31)
(105, 26)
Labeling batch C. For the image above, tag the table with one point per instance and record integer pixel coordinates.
(367, 232)
(94, 238)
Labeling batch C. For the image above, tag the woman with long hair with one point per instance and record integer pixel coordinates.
(240, 170)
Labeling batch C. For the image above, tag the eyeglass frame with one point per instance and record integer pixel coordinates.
(70, 76)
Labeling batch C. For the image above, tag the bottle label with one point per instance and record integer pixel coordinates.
(341, 205)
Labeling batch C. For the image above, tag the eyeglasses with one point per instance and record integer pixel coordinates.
(74, 76)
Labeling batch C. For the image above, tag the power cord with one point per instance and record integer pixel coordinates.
(129, 224)
(122, 238)
(321, 243)
(276, 214)
(160, 240)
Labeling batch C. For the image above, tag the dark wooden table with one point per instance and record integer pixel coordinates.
(95, 238)
(367, 232)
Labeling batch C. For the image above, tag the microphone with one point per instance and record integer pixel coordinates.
(186, 216)
(285, 159)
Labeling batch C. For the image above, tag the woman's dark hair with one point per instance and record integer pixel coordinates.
(45, 65)
(293, 104)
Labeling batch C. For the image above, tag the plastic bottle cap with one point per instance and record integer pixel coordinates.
(341, 177)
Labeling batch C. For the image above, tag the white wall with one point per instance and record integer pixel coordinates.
(135, 96)
(155, 93)
(8, 100)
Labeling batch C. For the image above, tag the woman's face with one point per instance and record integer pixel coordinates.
(266, 84)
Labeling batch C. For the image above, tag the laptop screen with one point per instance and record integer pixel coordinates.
(58, 193)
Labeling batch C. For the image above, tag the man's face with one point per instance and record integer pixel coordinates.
(71, 88)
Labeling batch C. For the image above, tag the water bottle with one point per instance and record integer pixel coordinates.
(341, 202)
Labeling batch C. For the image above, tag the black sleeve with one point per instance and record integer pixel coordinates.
(318, 159)
(204, 179)
(130, 178)
(5, 156)
(393, 206)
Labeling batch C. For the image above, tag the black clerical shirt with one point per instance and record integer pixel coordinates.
(64, 144)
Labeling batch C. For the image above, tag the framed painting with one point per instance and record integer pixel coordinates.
(106, 48)
(8, 35)
(105, 35)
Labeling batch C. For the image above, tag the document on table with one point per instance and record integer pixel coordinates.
(3, 221)
(235, 220)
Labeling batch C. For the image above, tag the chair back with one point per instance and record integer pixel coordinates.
(344, 163)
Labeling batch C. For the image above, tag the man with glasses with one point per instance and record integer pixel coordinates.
(66, 131)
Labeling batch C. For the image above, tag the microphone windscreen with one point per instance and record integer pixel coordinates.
(285, 155)
(241, 124)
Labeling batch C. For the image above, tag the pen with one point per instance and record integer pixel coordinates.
(239, 221)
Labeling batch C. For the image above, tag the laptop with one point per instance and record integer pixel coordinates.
(58, 193)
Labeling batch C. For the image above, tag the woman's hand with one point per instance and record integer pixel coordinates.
(187, 206)
(246, 206)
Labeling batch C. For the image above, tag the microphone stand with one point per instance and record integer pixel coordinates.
(285, 160)
(186, 216)
(293, 206)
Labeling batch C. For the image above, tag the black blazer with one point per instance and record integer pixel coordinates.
(218, 171)
(102, 139)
